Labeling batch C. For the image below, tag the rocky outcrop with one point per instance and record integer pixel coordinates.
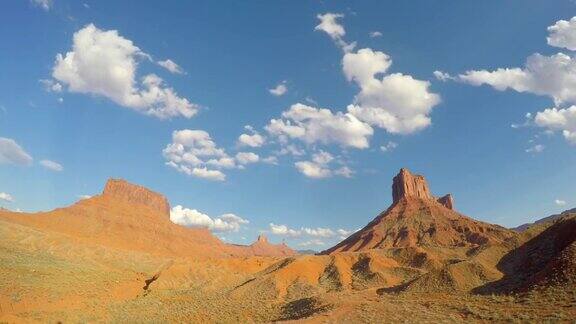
(264, 248)
(135, 194)
(447, 201)
(406, 184)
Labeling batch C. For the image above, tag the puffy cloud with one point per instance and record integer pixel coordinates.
(320, 167)
(192, 150)
(82, 197)
(563, 34)
(51, 165)
(51, 85)
(313, 242)
(329, 25)
(12, 153)
(252, 140)
(44, 4)
(247, 157)
(322, 232)
(6, 197)
(270, 160)
(553, 76)
(105, 63)
(317, 125)
(388, 146)
(396, 102)
(194, 153)
(313, 170)
(443, 76)
(538, 148)
(557, 119)
(193, 218)
(279, 90)
(171, 66)
(560, 202)
(375, 34)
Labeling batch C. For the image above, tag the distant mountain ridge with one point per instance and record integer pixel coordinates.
(550, 218)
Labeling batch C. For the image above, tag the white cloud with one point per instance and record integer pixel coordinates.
(279, 90)
(443, 76)
(538, 148)
(105, 63)
(388, 146)
(563, 34)
(270, 160)
(317, 125)
(247, 157)
(318, 232)
(51, 165)
(251, 140)
(557, 119)
(192, 150)
(12, 153)
(313, 242)
(329, 25)
(193, 218)
(44, 4)
(171, 66)
(553, 76)
(51, 85)
(82, 197)
(396, 102)
(6, 197)
(375, 34)
(560, 202)
(320, 167)
(313, 170)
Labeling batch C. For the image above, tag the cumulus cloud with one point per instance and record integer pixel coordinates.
(395, 102)
(318, 125)
(51, 165)
(51, 85)
(254, 139)
(247, 157)
(329, 24)
(82, 197)
(194, 153)
(171, 66)
(6, 197)
(279, 90)
(193, 218)
(313, 242)
(557, 119)
(553, 76)
(320, 167)
(538, 148)
(560, 202)
(375, 34)
(563, 34)
(12, 153)
(388, 146)
(44, 4)
(192, 150)
(104, 63)
(442, 76)
(318, 232)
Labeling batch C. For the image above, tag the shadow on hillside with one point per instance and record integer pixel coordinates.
(523, 265)
(302, 308)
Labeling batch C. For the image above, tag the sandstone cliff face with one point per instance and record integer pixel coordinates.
(447, 201)
(134, 194)
(264, 248)
(406, 184)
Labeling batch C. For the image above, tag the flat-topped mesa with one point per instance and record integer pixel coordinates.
(406, 184)
(122, 189)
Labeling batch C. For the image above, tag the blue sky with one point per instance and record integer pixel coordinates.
(68, 124)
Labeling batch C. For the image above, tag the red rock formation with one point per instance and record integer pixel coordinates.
(405, 184)
(417, 219)
(263, 248)
(135, 194)
(447, 201)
